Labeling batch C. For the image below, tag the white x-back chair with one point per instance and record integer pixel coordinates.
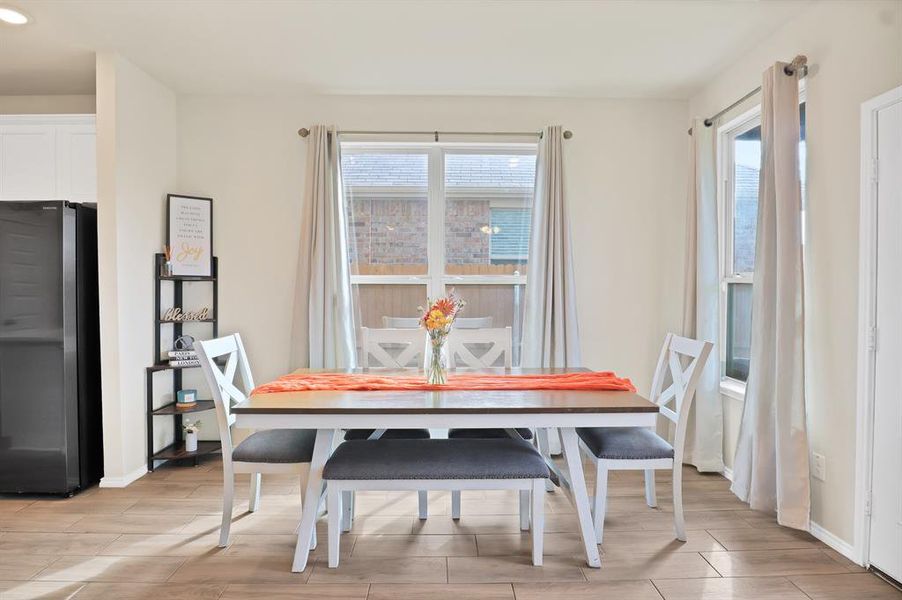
(638, 448)
(496, 342)
(273, 451)
(375, 344)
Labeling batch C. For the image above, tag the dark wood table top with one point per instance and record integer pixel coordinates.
(447, 402)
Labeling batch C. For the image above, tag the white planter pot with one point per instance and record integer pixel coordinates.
(191, 441)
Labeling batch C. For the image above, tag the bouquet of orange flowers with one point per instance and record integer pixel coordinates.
(439, 317)
(437, 320)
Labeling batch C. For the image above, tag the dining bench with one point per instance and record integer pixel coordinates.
(436, 464)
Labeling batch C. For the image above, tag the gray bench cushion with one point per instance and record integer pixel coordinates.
(277, 446)
(390, 434)
(470, 434)
(436, 459)
(636, 443)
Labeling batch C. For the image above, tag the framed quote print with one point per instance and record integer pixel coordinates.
(189, 230)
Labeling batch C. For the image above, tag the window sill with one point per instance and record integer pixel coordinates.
(731, 388)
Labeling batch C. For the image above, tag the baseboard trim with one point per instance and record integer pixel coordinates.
(121, 482)
(838, 544)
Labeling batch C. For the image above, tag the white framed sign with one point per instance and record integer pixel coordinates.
(190, 235)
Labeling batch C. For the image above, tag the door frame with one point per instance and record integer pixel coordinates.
(867, 332)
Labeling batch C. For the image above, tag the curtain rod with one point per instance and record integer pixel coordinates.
(304, 132)
(798, 65)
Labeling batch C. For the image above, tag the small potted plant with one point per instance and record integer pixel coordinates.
(191, 428)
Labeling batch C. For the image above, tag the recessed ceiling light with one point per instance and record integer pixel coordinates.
(13, 16)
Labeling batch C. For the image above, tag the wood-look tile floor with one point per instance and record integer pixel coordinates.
(157, 539)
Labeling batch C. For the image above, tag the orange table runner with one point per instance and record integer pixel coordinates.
(584, 381)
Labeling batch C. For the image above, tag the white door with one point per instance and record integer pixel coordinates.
(886, 490)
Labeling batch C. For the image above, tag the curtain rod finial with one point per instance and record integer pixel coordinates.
(303, 132)
(798, 64)
(568, 134)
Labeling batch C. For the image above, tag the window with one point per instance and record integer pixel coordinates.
(423, 219)
(740, 163)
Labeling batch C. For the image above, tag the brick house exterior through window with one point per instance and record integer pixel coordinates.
(425, 219)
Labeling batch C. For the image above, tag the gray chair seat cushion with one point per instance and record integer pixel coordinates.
(277, 446)
(472, 434)
(636, 443)
(390, 434)
(436, 459)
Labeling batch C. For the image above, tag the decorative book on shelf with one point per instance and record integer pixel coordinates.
(176, 316)
(183, 358)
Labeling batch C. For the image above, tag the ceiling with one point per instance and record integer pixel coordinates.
(639, 48)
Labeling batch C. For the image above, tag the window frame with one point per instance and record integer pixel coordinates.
(726, 171)
(435, 279)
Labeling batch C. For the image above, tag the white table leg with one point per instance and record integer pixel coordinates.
(322, 448)
(570, 445)
(545, 450)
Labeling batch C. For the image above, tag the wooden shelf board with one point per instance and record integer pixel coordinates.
(177, 451)
(173, 408)
(186, 278)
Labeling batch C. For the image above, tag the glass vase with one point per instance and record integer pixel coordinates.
(437, 361)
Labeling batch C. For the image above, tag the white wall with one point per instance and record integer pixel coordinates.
(136, 145)
(47, 105)
(855, 53)
(625, 176)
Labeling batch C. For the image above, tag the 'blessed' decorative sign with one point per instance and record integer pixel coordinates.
(190, 228)
(177, 316)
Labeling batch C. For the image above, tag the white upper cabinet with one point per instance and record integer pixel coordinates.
(27, 162)
(76, 153)
(48, 157)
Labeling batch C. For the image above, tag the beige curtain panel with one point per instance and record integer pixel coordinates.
(550, 330)
(323, 320)
(701, 300)
(771, 468)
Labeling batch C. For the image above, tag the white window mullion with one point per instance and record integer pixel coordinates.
(436, 244)
(390, 279)
(484, 279)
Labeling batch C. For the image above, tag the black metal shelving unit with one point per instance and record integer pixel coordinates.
(176, 450)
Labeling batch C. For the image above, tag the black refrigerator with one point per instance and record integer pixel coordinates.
(50, 419)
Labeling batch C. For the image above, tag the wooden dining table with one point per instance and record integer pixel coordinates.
(542, 410)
